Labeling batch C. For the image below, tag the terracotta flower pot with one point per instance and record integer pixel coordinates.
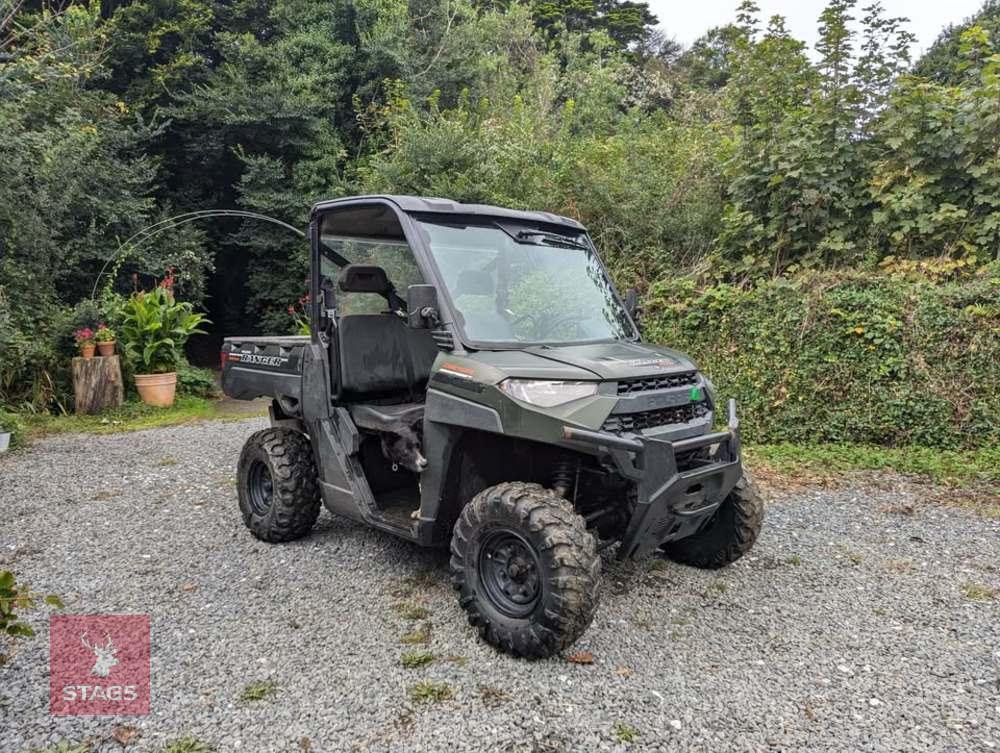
(106, 349)
(87, 350)
(157, 389)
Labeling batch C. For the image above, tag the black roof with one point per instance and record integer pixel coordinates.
(427, 204)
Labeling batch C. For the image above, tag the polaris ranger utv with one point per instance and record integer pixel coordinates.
(473, 378)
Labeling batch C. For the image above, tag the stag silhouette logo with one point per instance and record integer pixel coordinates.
(104, 656)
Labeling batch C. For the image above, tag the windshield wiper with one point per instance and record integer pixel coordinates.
(550, 239)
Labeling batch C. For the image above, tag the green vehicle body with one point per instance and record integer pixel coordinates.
(639, 456)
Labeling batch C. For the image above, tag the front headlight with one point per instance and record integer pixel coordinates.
(545, 393)
(710, 389)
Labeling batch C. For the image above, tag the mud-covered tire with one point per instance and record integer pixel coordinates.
(281, 461)
(730, 533)
(566, 567)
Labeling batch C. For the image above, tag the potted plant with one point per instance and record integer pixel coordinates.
(105, 338)
(85, 341)
(154, 329)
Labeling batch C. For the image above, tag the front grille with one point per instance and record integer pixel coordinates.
(619, 423)
(646, 384)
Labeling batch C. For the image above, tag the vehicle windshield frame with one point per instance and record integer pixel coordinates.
(510, 227)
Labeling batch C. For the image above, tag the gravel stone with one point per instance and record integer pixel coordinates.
(749, 658)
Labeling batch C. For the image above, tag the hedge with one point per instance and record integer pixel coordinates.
(887, 359)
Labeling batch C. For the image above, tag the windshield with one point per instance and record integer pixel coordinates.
(513, 283)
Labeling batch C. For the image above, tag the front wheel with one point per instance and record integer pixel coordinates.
(277, 485)
(730, 533)
(526, 569)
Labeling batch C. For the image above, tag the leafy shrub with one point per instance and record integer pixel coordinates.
(883, 359)
(155, 327)
(12, 422)
(195, 381)
(15, 599)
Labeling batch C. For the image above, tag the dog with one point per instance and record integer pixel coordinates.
(402, 448)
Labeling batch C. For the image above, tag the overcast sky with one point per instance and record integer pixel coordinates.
(686, 21)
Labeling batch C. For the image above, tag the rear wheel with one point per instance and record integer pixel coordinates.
(526, 569)
(277, 485)
(730, 533)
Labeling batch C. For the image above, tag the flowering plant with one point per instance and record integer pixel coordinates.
(104, 334)
(300, 315)
(84, 336)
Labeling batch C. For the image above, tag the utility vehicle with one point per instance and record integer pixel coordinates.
(472, 378)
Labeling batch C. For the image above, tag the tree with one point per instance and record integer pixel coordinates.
(943, 62)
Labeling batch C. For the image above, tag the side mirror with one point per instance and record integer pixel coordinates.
(421, 306)
(632, 304)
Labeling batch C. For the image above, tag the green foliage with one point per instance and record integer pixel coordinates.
(195, 381)
(944, 63)
(713, 177)
(73, 180)
(155, 327)
(15, 600)
(258, 690)
(134, 415)
(104, 334)
(625, 733)
(882, 359)
(956, 467)
(937, 189)
(416, 659)
(430, 692)
(14, 424)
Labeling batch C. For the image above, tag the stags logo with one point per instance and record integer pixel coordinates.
(104, 656)
(106, 676)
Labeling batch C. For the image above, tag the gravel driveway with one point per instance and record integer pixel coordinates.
(858, 623)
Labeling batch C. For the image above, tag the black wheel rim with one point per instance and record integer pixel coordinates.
(260, 487)
(510, 573)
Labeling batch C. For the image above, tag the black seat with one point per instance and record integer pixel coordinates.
(387, 418)
(383, 359)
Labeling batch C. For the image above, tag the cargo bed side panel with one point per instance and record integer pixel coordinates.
(255, 367)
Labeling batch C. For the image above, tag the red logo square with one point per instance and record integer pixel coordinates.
(99, 664)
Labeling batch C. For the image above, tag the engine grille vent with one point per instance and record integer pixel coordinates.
(647, 384)
(619, 423)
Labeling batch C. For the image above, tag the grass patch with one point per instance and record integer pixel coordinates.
(420, 635)
(430, 692)
(259, 690)
(415, 659)
(795, 560)
(625, 733)
(131, 416)
(950, 467)
(187, 745)
(978, 592)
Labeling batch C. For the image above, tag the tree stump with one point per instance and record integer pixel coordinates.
(97, 384)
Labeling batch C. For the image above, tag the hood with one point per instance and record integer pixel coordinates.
(618, 360)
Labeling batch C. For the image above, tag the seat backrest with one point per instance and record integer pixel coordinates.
(382, 358)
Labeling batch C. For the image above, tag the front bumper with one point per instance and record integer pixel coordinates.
(671, 504)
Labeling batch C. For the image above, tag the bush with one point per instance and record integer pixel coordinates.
(890, 358)
(195, 381)
(12, 422)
